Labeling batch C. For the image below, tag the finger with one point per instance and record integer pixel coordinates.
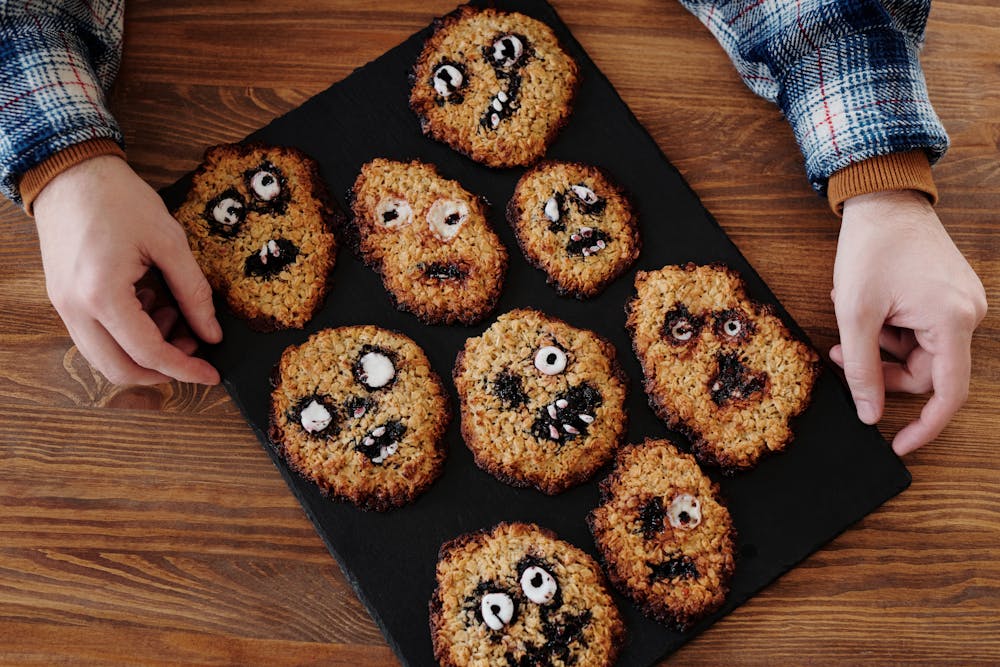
(188, 285)
(146, 296)
(861, 360)
(913, 376)
(950, 370)
(139, 337)
(185, 344)
(104, 354)
(165, 317)
(897, 342)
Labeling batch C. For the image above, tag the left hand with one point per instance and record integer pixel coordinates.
(901, 285)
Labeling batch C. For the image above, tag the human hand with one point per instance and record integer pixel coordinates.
(100, 228)
(901, 285)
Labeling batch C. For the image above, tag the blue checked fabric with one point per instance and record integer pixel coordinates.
(57, 59)
(844, 72)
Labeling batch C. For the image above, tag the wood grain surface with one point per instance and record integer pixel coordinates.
(146, 526)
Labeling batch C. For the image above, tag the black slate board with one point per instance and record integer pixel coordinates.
(837, 470)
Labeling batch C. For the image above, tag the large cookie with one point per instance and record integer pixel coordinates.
(515, 596)
(719, 367)
(259, 222)
(359, 411)
(542, 401)
(430, 241)
(493, 85)
(664, 535)
(575, 224)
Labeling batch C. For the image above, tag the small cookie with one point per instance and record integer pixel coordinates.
(664, 535)
(259, 222)
(496, 86)
(719, 367)
(542, 402)
(575, 224)
(516, 595)
(359, 411)
(430, 241)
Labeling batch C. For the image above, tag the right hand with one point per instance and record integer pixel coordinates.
(101, 228)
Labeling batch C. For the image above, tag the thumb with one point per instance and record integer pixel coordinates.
(187, 284)
(861, 359)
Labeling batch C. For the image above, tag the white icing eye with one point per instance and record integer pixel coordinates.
(682, 330)
(393, 212)
(538, 585)
(732, 327)
(552, 209)
(584, 194)
(446, 217)
(684, 511)
(507, 50)
(447, 79)
(315, 417)
(229, 211)
(550, 360)
(497, 610)
(375, 370)
(265, 185)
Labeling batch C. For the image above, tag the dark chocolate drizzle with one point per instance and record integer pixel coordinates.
(509, 389)
(734, 380)
(254, 266)
(394, 431)
(651, 517)
(295, 415)
(678, 567)
(587, 240)
(678, 313)
(512, 75)
(581, 399)
(445, 271)
(217, 227)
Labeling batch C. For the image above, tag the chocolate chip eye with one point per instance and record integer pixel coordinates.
(265, 185)
(446, 217)
(550, 360)
(732, 327)
(393, 212)
(682, 329)
(684, 511)
(538, 585)
(447, 79)
(681, 326)
(497, 610)
(507, 51)
(733, 324)
(228, 210)
(584, 194)
(374, 369)
(552, 209)
(315, 417)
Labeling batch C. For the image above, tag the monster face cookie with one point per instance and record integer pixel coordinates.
(258, 221)
(430, 241)
(516, 595)
(574, 224)
(359, 411)
(719, 367)
(666, 539)
(542, 402)
(493, 85)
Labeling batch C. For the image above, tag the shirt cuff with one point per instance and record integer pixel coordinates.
(895, 171)
(35, 179)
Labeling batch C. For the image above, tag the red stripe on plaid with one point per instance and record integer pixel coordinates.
(822, 86)
(745, 10)
(872, 104)
(56, 84)
(71, 57)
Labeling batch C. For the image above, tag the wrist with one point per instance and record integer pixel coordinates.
(37, 179)
(894, 172)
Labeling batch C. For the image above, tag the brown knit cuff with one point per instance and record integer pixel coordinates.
(36, 178)
(895, 171)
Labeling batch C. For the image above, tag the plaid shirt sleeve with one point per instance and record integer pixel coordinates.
(845, 73)
(56, 60)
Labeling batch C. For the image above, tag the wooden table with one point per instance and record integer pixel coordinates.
(146, 526)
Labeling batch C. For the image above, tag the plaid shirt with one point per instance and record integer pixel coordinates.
(844, 72)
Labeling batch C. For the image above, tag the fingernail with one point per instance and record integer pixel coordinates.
(866, 412)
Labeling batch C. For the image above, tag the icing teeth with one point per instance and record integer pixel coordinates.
(554, 432)
(497, 104)
(562, 403)
(569, 428)
(552, 411)
(379, 432)
(494, 120)
(359, 412)
(502, 96)
(269, 249)
(369, 441)
(386, 452)
(586, 419)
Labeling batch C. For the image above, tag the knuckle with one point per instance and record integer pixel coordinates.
(201, 293)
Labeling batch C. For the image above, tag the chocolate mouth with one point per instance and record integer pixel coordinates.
(445, 271)
(678, 567)
(734, 381)
(503, 105)
(568, 416)
(587, 241)
(273, 257)
(381, 442)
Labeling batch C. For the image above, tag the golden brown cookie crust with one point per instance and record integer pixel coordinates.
(587, 246)
(475, 564)
(412, 410)
(406, 256)
(733, 396)
(303, 215)
(537, 108)
(509, 407)
(673, 561)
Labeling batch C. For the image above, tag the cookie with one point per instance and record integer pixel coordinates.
(718, 367)
(359, 411)
(575, 224)
(259, 222)
(516, 595)
(496, 86)
(429, 240)
(665, 537)
(542, 402)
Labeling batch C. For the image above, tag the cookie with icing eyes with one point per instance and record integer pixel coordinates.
(496, 86)
(575, 224)
(718, 367)
(259, 222)
(429, 240)
(359, 411)
(542, 402)
(664, 534)
(516, 595)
